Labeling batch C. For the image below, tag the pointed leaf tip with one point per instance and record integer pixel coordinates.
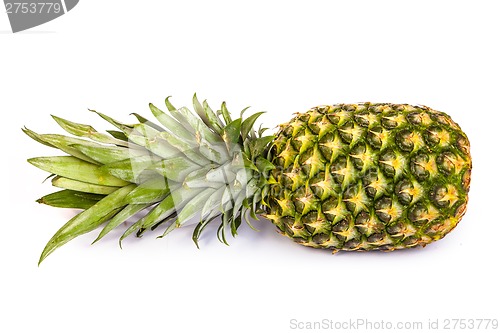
(225, 113)
(247, 125)
(169, 105)
(87, 220)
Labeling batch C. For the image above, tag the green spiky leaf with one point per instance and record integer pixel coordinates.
(247, 124)
(74, 168)
(119, 218)
(87, 220)
(143, 120)
(225, 113)
(216, 123)
(231, 133)
(173, 125)
(193, 163)
(75, 185)
(70, 199)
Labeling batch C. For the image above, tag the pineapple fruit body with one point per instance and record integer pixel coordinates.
(368, 177)
(342, 177)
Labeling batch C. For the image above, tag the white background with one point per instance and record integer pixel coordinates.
(282, 57)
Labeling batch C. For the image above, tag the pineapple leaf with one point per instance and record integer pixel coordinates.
(133, 169)
(246, 147)
(249, 164)
(118, 135)
(243, 111)
(87, 220)
(211, 204)
(151, 191)
(186, 148)
(35, 136)
(198, 179)
(74, 128)
(231, 134)
(248, 123)
(255, 203)
(108, 154)
(263, 165)
(176, 168)
(162, 211)
(143, 120)
(216, 123)
(165, 220)
(194, 124)
(200, 111)
(192, 207)
(75, 185)
(149, 138)
(259, 145)
(122, 127)
(88, 131)
(221, 174)
(173, 125)
(66, 144)
(74, 168)
(262, 130)
(165, 208)
(235, 224)
(70, 199)
(247, 220)
(199, 229)
(216, 153)
(221, 231)
(225, 113)
(61, 142)
(169, 105)
(237, 211)
(122, 216)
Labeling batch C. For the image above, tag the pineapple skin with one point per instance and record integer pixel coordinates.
(368, 177)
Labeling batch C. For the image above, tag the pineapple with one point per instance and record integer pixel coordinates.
(368, 177)
(341, 177)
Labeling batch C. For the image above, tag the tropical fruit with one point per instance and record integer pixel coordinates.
(368, 176)
(342, 177)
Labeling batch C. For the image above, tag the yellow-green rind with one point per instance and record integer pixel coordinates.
(368, 177)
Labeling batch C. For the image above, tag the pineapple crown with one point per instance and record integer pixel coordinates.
(203, 164)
